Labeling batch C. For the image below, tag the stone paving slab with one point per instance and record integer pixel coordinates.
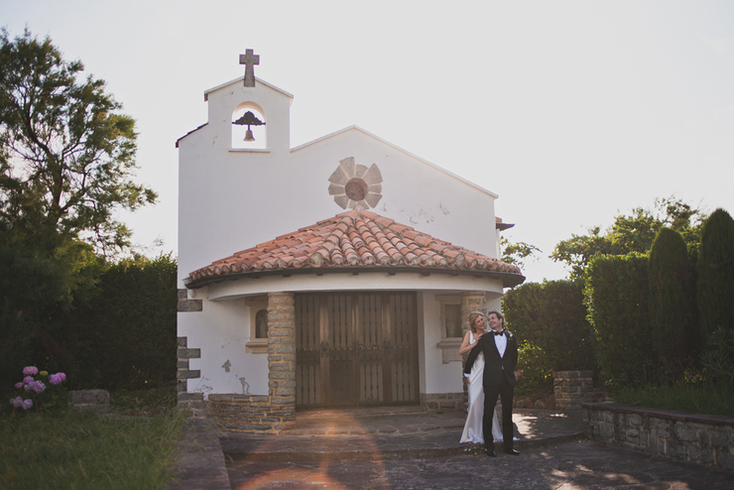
(359, 436)
(566, 466)
(201, 463)
(411, 449)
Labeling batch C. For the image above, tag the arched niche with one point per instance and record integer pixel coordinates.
(259, 132)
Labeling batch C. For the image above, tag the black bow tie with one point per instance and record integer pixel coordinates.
(499, 333)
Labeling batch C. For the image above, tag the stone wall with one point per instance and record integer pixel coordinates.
(192, 402)
(94, 400)
(248, 413)
(443, 401)
(572, 388)
(704, 439)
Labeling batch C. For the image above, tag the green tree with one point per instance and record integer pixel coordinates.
(66, 164)
(675, 337)
(716, 273)
(628, 234)
(517, 253)
(66, 155)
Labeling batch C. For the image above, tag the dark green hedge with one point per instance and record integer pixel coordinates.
(716, 273)
(617, 292)
(675, 337)
(549, 321)
(126, 336)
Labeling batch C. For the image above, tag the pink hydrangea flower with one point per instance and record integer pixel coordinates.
(32, 370)
(54, 379)
(17, 402)
(37, 386)
(19, 384)
(61, 376)
(27, 404)
(28, 379)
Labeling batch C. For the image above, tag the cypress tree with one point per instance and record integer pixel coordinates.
(716, 273)
(671, 303)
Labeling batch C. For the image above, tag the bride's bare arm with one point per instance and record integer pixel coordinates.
(465, 345)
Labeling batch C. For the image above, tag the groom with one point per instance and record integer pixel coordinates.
(500, 358)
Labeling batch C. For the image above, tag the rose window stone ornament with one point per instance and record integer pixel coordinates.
(353, 185)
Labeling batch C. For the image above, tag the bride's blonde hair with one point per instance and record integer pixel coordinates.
(472, 317)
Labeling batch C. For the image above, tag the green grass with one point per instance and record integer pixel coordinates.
(153, 401)
(704, 398)
(73, 450)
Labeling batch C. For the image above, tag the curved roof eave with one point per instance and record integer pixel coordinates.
(508, 279)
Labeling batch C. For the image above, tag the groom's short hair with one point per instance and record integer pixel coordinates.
(499, 316)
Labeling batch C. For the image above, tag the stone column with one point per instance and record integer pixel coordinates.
(282, 355)
(471, 301)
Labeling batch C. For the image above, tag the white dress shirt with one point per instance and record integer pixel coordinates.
(501, 342)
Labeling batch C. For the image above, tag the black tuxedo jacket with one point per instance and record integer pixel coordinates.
(494, 366)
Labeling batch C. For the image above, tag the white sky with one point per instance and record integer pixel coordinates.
(572, 111)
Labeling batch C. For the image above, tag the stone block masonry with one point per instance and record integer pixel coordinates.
(572, 388)
(434, 402)
(703, 439)
(282, 357)
(193, 402)
(272, 413)
(94, 400)
(249, 413)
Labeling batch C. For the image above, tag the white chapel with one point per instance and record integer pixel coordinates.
(339, 273)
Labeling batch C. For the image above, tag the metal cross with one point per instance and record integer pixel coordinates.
(249, 60)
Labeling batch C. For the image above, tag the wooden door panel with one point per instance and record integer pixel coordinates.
(356, 349)
(308, 349)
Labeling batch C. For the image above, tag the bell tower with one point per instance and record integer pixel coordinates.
(254, 114)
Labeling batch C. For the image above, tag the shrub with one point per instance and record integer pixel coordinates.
(552, 317)
(537, 371)
(716, 273)
(39, 390)
(672, 304)
(125, 338)
(617, 298)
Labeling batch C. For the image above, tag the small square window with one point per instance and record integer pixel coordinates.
(261, 324)
(452, 320)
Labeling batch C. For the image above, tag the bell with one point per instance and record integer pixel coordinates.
(248, 135)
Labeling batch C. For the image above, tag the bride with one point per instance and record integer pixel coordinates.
(473, 426)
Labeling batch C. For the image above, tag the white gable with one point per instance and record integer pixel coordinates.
(232, 199)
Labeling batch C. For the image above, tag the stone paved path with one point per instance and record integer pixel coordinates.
(567, 466)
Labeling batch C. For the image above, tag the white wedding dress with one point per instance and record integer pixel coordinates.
(473, 426)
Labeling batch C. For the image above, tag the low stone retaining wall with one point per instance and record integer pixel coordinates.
(249, 413)
(94, 400)
(705, 439)
(572, 388)
(434, 402)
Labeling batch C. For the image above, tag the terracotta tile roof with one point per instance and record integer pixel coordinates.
(353, 240)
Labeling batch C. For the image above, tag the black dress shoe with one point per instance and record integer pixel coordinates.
(513, 452)
(491, 453)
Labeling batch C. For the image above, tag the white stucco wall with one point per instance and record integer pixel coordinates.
(221, 332)
(436, 377)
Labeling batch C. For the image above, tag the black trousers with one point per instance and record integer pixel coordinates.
(506, 393)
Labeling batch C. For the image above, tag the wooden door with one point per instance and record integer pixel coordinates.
(356, 349)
